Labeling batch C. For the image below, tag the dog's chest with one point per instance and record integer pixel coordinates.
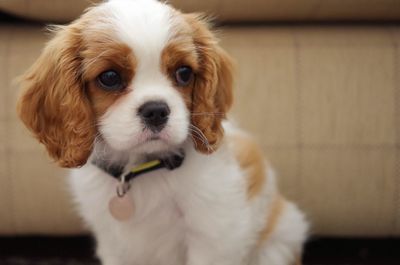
(156, 232)
(153, 236)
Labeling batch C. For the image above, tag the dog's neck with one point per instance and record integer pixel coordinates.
(117, 163)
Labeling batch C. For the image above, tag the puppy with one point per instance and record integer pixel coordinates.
(134, 95)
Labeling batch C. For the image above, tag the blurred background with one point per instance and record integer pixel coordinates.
(317, 83)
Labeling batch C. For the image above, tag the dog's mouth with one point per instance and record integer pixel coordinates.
(154, 138)
(147, 135)
(150, 142)
(144, 140)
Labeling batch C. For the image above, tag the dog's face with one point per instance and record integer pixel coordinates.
(134, 74)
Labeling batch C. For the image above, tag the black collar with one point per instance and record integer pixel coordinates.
(170, 162)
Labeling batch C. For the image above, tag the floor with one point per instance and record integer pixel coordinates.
(79, 251)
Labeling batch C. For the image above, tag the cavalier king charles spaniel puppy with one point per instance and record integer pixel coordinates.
(133, 95)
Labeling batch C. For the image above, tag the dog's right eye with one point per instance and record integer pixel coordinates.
(110, 80)
(183, 76)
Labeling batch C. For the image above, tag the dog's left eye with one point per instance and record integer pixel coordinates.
(110, 80)
(183, 75)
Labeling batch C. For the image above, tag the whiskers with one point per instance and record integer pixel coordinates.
(197, 134)
(220, 114)
(99, 147)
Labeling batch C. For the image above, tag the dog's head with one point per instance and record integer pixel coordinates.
(135, 74)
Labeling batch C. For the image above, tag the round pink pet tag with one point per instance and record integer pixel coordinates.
(121, 208)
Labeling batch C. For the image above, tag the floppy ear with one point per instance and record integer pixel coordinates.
(53, 104)
(212, 93)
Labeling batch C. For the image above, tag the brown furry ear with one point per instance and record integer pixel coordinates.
(53, 104)
(212, 94)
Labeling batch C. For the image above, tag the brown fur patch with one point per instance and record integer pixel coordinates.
(61, 100)
(113, 56)
(277, 207)
(251, 159)
(54, 106)
(180, 51)
(212, 94)
(102, 51)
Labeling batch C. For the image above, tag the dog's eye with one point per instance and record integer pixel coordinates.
(183, 75)
(110, 80)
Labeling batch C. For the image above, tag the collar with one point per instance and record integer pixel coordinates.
(171, 161)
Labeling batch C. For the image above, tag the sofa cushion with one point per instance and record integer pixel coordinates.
(227, 10)
(54, 11)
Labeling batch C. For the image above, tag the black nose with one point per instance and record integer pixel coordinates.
(154, 114)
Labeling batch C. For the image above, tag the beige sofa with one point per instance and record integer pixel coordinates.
(322, 99)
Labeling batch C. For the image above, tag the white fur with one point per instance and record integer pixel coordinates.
(197, 214)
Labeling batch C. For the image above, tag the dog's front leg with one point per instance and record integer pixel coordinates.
(108, 250)
(218, 232)
(108, 257)
(201, 252)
